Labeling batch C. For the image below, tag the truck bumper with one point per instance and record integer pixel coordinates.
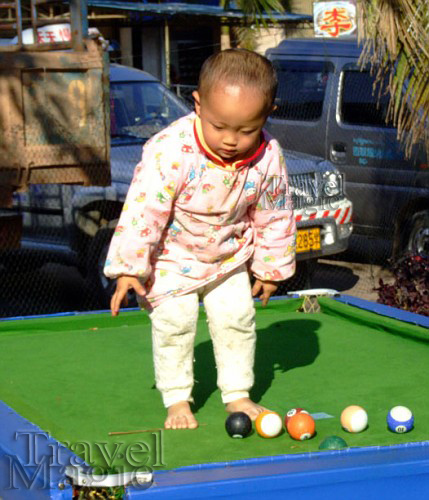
(335, 225)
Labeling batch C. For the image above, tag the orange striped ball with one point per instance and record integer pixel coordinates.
(268, 424)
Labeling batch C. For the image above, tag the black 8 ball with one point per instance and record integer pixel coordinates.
(238, 424)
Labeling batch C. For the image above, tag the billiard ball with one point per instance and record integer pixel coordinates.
(268, 424)
(238, 424)
(333, 443)
(292, 412)
(354, 419)
(301, 426)
(400, 419)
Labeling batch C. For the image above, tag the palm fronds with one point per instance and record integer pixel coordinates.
(254, 9)
(255, 12)
(395, 36)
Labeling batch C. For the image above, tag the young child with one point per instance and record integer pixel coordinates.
(209, 203)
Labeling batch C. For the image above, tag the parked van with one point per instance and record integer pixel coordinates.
(327, 107)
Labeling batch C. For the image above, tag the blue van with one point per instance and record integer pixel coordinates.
(327, 106)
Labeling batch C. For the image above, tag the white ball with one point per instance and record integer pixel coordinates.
(354, 418)
(272, 425)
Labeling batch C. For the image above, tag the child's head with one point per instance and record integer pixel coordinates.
(239, 67)
(235, 95)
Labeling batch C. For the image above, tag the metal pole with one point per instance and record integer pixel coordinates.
(167, 52)
(79, 23)
(34, 18)
(18, 16)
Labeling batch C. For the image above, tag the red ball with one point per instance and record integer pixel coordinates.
(292, 412)
(301, 426)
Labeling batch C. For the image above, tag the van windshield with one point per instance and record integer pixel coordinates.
(141, 109)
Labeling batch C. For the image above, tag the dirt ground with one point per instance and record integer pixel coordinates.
(59, 288)
(351, 278)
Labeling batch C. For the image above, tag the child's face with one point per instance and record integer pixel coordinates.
(232, 117)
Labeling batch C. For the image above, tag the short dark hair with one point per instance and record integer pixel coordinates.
(239, 66)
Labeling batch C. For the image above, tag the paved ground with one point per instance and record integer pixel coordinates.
(60, 288)
(352, 278)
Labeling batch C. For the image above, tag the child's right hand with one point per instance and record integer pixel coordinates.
(123, 284)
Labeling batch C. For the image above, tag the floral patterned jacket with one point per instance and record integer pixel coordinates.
(189, 218)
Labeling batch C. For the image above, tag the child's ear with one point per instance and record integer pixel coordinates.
(196, 97)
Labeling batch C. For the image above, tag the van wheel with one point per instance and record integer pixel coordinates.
(418, 239)
(103, 287)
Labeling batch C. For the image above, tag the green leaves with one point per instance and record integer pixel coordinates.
(255, 12)
(409, 290)
(254, 9)
(395, 34)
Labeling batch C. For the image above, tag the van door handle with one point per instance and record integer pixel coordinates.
(338, 152)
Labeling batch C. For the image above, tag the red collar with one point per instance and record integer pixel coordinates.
(236, 165)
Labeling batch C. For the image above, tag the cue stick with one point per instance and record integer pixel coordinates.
(118, 433)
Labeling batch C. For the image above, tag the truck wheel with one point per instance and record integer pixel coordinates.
(418, 239)
(97, 253)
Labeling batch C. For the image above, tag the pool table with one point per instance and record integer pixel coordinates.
(79, 405)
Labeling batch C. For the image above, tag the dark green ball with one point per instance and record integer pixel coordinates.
(333, 443)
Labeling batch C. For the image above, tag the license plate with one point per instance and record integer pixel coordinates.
(308, 239)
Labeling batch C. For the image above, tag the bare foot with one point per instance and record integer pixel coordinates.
(180, 416)
(247, 406)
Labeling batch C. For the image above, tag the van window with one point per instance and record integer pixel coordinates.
(301, 90)
(360, 103)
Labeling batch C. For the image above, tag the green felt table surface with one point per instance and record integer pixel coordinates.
(81, 377)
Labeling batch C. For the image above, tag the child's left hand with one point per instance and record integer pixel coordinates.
(264, 290)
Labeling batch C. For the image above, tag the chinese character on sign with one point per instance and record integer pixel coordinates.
(54, 33)
(50, 35)
(64, 34)
(334, 19)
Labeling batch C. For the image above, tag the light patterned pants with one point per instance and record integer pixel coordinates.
(231, 319)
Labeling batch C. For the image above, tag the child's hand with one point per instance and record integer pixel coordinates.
(264, 289)
(123, 284)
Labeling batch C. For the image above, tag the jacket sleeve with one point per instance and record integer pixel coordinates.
(146, 212)
(274, 222)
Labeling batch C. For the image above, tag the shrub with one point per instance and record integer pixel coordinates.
(410, 290)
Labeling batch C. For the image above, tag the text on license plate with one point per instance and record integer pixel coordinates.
(308, 239)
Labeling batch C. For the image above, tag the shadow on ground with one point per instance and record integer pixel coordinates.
(51, 288)
(280, 347)
(334, 276)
